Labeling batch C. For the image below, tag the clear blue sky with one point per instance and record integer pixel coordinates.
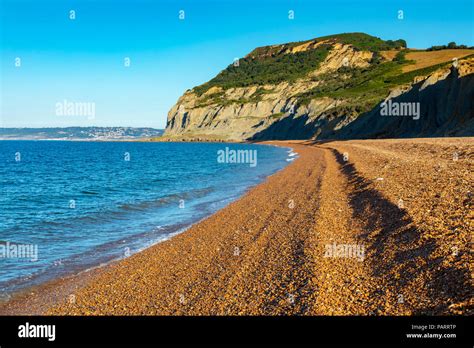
(82, 60)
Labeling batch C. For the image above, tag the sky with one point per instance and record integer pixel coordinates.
(49, 59)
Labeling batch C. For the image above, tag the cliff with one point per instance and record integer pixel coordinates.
(330, 87)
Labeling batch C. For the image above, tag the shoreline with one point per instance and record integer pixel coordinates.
(258, 255)
(47, 292)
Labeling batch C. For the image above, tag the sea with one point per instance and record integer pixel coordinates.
(68, 206)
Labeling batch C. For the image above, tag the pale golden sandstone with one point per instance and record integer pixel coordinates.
(285, 111)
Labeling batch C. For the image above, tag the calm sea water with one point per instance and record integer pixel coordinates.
(86, 203)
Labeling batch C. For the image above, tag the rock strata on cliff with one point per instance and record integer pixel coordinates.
(331, 87)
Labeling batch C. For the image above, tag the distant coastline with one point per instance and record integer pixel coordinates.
(80, 133)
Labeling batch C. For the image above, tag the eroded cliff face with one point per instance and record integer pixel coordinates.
(446, 108)
(241, 121)
(241, 113)
(284, 110)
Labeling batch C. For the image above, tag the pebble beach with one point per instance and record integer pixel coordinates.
(360, 227)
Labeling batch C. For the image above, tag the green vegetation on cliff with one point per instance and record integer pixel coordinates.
(365, 42)
(360, 87)
(273, 64)
(267, 70)
(319, 87)
(449, 46)
(365, 87)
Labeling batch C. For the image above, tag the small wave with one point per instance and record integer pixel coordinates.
(118, 214)
(172, 198)
(89, 192)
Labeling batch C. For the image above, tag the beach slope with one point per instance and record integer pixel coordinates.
(369, 227)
